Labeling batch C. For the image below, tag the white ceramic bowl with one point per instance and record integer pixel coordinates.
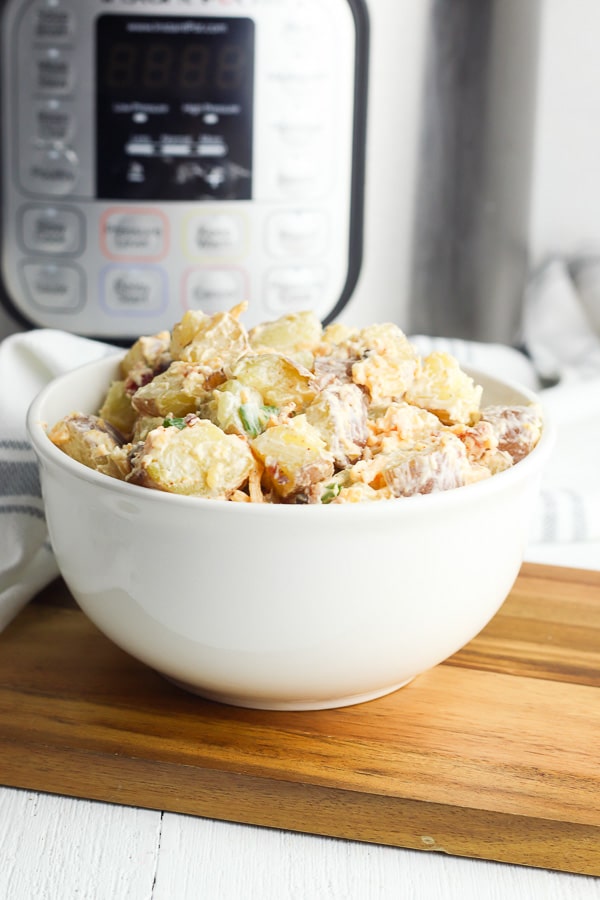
(282, 607)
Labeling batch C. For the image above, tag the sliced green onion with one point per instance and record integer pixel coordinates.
(254, 418)
(331, 492)
(174, 421)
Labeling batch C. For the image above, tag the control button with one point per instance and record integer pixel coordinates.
(300, 175)
(55, 73)
(58, 288)
(54, 122)
(211, 146)
(140, 147)
(51, 171)
(134, 234)
(302, 69)
(141, 290)
(214, 290)
(54, 24)
(216, 234)
(299, 131)
(297, 233)
(299, 81)
(302, 31)
(293, 288)
(50, 230)
(179, 147)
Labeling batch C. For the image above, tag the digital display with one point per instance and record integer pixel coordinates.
(174, 107)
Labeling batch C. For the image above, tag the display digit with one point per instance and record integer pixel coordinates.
(120, 68)
(158, 61)
(195, 61)
(231, 65)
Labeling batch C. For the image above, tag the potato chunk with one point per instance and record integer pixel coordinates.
(295, 335)
(444, 389)
(408, 424)
(340, 416)
(143, 426)
(88, 439)
(388, 363)
(178, 391)
(295, 458)
(437, 466)
(277, 379)
(516, 428)
(197, 460)
(238, 409)
(216, 342)
(147, 353)
(117, 409)
(337, 334)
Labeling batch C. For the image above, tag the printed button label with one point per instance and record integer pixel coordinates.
(214, 234)
(54, 73)
(54, 24)
(297, 233)
(141, 290)
(214, 290)
(53, 122)
(134, 234)
(58, 288)
(50, 230)
(51, 171)
(293, 288)
(300, 175)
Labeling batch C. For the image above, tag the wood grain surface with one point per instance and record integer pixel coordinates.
(494, 755)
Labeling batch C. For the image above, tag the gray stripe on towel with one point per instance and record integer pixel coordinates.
(10, 509)
(14, 445)
(17, 478)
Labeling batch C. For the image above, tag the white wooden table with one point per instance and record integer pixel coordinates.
(57, 848)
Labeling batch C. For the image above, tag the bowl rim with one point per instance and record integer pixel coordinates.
(36, 428)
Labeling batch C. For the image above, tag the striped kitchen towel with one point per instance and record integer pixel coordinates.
(28, 361)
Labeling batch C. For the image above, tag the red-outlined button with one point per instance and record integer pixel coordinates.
(214, 288)
(134, 234)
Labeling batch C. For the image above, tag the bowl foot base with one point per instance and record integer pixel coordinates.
(291, 705)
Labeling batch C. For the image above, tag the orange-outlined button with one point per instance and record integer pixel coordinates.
(209, 234)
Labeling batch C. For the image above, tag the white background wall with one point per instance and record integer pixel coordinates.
(565, 212)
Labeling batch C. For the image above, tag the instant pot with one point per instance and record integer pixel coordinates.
(367, 159)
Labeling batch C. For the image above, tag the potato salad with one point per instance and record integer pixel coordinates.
(294, 412)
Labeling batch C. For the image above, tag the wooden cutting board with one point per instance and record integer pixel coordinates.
(495, 754)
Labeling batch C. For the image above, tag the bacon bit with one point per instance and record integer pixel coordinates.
(137, 378)
(214, 379)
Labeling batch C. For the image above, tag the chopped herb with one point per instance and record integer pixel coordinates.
(254, 418)
(331, 492)
(174, 421)
(249, 419)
